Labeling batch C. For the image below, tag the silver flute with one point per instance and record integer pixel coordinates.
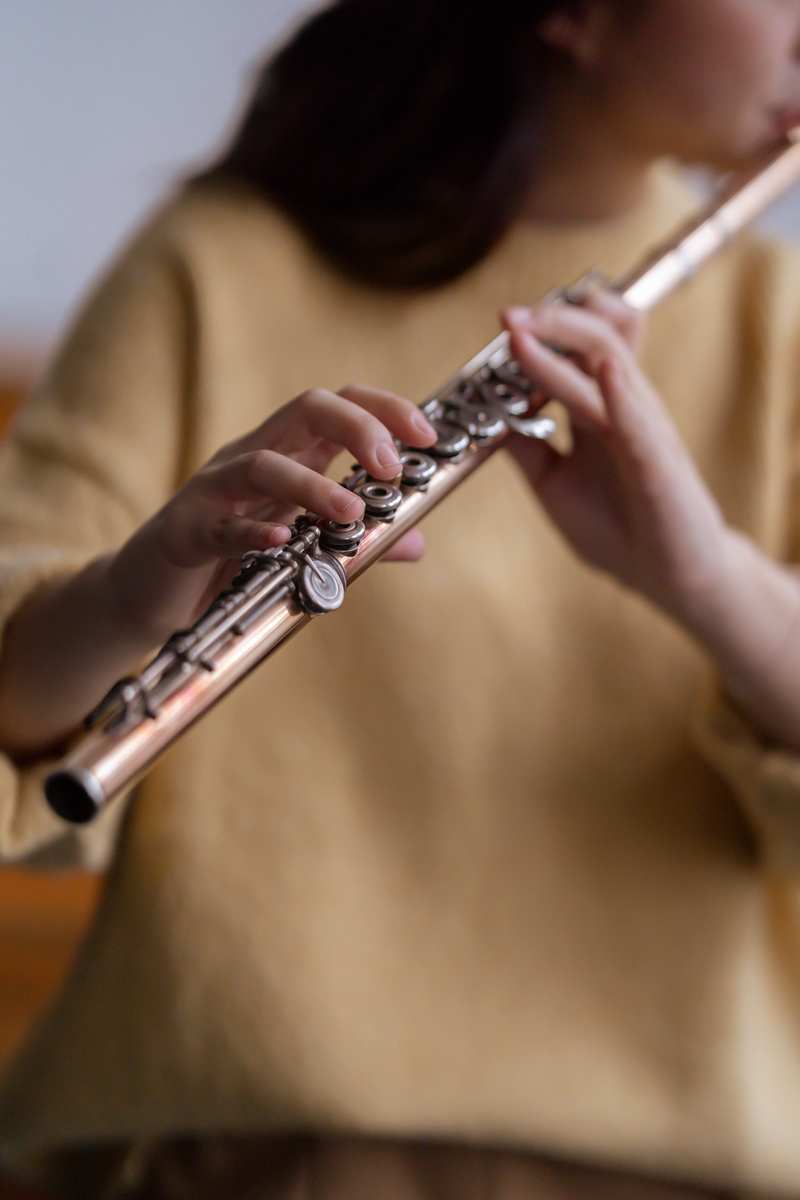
(278, 591)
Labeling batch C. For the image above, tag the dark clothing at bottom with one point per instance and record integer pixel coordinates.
(315, 1167)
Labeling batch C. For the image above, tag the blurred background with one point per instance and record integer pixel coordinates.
(106, 104)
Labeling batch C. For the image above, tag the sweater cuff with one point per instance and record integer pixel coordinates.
(32, 835)
(22, 572)
(30, 832)
(764, 777)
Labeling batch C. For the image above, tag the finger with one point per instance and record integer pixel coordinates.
(576, 331)
(535, 458)
(628, 322)
(409, 548)
(264, 475)
(231, 536)
(364, 420)
(559, 378)
(641, 423)
(583, 338)
(341, 422)
(403, 419)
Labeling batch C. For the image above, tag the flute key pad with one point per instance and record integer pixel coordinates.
(345, 538)
(418, 469)
(451, 440)
(477, 418)
(381, 500)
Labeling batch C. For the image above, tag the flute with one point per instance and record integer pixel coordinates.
(276, 592)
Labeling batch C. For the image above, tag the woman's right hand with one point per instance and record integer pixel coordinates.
(73, 638)
(248, 494)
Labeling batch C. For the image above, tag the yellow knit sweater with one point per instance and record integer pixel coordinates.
(479, 856)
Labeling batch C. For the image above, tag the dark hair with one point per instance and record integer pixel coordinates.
(397, 133)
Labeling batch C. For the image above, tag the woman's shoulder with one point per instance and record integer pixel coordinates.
(202, 243)
(759, 284)
(219, 222)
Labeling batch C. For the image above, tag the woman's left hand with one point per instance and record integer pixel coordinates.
(628, 497)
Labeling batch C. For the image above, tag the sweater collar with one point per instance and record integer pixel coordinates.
(551, 254)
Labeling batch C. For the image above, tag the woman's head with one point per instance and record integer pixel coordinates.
(703, 80)
(402, 135)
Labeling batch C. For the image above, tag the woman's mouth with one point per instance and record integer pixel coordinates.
(785, 119)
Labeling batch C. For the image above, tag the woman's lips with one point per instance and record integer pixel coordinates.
(785, 119)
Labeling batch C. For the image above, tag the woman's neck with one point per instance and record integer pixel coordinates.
(585, 171)
(575, 193)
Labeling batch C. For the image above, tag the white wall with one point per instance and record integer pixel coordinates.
(104, 103)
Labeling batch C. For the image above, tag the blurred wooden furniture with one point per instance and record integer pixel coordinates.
(13, 388)
(42, 916)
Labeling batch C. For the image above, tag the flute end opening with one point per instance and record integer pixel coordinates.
(74, 795)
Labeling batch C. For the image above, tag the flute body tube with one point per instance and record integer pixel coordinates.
(277, 592)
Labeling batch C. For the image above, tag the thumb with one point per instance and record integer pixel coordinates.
(534, 456)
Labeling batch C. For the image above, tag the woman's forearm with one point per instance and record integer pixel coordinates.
(72, 639)
(65, 646)
(632, 502)
(751, 628)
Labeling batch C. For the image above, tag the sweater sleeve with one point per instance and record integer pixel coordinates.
(96, 449)
(765, 778)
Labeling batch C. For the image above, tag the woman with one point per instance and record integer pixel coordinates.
(504, 904)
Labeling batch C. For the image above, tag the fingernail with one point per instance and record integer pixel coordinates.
(345, 502)
(529, 341)
(387, 455)
(527, 318)
(277, 534)
(422, 426)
